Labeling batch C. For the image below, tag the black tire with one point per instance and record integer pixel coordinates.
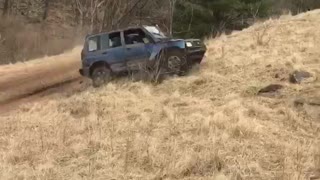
(101, 75)
(176, 63)
(184, 66)
(162, 68)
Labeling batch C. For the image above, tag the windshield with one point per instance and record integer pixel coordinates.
(155, 31)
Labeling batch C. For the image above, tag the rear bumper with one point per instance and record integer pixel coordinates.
(84, 72)
(81, 72)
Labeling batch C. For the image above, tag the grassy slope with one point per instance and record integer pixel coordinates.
(209, 125)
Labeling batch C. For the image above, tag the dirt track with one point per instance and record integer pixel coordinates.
(25, 82)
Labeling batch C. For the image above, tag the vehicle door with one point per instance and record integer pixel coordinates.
(108, 48)
(137, 48)
(114, 55)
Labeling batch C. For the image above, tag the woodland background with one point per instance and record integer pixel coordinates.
(34, 28)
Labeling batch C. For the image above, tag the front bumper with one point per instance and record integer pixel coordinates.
(196, 56)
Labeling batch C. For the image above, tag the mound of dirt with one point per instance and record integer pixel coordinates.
(209, 125)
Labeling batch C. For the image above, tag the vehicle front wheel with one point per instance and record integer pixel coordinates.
(177, 63)
(100, 75)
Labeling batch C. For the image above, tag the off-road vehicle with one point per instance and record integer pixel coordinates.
(138, 48)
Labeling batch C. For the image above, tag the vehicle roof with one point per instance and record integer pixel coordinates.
(116, 30)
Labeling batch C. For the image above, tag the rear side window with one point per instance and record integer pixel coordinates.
(93, 44)
(104, 41)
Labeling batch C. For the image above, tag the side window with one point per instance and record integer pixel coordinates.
(136, 36)
(115, 40)
(93, 44)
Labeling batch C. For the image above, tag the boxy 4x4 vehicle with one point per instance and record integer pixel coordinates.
(137, 48)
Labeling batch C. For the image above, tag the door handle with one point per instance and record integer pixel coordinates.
(128, 48)
(105, 52)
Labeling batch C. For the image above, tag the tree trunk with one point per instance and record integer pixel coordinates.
(6, 7)
(81, 20)
(172, 8)
(104, 19)
(46, 9)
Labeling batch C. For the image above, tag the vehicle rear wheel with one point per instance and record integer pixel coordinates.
(100, 75)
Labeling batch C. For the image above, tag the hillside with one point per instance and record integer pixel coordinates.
(208, 125)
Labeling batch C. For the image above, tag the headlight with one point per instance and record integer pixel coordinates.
(189, 44)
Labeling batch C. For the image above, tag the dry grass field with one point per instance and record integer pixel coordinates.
(208, 125)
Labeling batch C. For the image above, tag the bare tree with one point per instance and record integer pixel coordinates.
(46, 9)
(254, 10)
(1, 39)
(97, 15)
(6, 7)
(94, 7)
(172, 8)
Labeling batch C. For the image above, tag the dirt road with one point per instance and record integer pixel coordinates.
(24, 82)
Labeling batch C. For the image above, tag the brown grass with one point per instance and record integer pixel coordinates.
(209, 125)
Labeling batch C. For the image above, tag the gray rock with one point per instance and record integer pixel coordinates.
(270, 88)
(298, 76)
(270, 91)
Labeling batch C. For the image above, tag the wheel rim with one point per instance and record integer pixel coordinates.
(174, 63)
(100, 77)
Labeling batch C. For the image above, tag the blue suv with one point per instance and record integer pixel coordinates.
(139, 48)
